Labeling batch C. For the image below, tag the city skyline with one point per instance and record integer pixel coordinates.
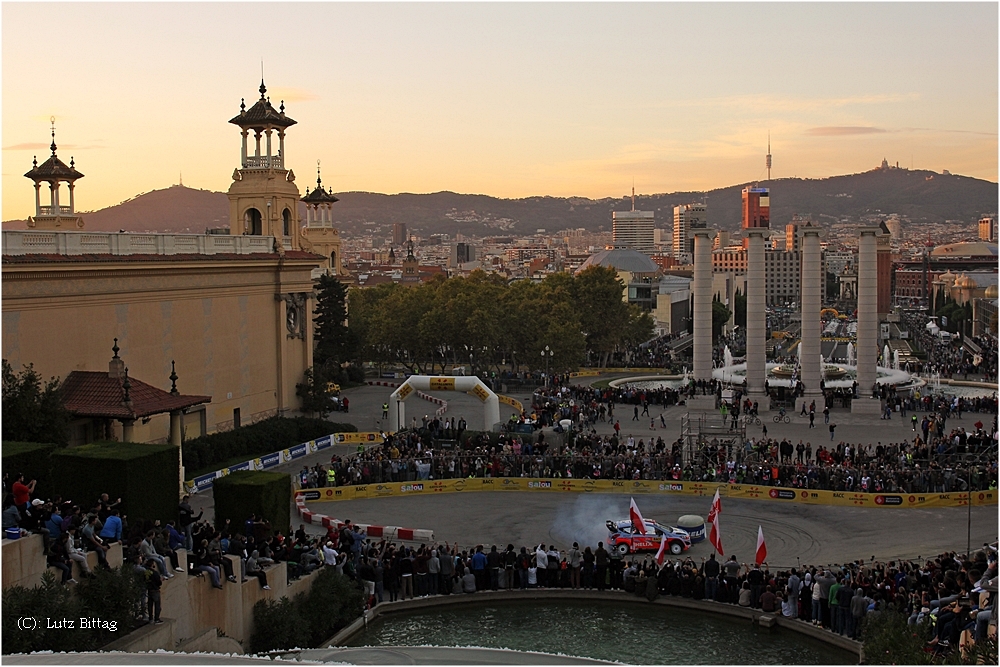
(500, 99)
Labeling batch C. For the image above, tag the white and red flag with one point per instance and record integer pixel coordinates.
(761, 547)
(636, 517)
(662, 551)
(714, 535)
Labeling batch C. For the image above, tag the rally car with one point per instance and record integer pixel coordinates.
(625, 538)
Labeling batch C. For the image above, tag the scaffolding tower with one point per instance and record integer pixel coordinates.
(703, 429)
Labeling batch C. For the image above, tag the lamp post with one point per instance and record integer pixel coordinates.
(546, 355)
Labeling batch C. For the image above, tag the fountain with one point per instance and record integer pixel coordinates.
(885, 355)
(851, 361)
(895, 360)
(727, 356)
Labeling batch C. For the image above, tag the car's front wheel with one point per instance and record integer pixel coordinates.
(622, 549)
(676, 548)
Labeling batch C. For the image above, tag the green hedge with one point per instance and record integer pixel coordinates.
(33, 459)
(264, 437)
(244, 492)
(145, 477)
(112, 596)
(312, 618)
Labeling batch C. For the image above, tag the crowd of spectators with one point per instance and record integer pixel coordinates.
(935, 458)
(955, 593)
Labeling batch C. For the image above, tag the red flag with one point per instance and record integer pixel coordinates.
(714, 535)
(761, 547)
(662, 551)
(636, 516)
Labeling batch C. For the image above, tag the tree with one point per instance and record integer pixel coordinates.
(720, 315)
(740, 308)
(334, 342)
(33, 412)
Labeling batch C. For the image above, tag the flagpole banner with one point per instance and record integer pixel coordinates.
(761, 554)
(636, 516)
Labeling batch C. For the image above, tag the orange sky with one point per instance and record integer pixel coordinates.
(510, 100)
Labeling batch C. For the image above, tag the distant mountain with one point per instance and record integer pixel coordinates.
(922, 196)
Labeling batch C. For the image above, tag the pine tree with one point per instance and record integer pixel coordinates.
(334, 341)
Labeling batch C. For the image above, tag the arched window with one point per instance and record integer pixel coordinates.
(286, 219)
(252, 223)
(333, 261)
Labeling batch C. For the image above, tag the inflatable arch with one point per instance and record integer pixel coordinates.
(470, 385)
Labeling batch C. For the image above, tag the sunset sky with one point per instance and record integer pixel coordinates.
(509, 100)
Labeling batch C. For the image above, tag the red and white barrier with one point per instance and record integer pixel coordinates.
(380, 383)
(388, 532)
(437, 401)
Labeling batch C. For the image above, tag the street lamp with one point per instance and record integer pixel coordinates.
(546, 355)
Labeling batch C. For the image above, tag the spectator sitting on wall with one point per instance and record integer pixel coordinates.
(112, 531)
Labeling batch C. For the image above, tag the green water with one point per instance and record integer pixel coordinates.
(633, 634)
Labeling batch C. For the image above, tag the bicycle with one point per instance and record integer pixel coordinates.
(750, 420)
(778, 418)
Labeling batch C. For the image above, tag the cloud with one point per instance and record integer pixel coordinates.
(843, 131)
(293, 95)
(27, 147)
(61, 147)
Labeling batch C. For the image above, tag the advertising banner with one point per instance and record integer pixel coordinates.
(658, 487)
(364, 437)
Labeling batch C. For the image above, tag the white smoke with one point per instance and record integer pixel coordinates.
(584, 520)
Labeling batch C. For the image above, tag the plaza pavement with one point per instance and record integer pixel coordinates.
(794, 533)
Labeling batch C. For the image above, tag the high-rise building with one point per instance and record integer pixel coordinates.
(633, 229)
(988, 228)
(686, 218)
(398, 233)
(756, 208)
(461, 253)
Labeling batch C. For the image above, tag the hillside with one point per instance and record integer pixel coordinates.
(923, 196)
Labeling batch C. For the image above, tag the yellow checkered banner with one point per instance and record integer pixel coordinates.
(653, 487)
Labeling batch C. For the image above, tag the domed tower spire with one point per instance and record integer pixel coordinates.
(319, 232)
(54, 172)
(263, 197)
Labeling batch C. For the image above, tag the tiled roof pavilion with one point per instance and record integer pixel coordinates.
(114, 395)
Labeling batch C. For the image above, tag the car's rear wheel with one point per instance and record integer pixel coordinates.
(622, 549)
(676, 548)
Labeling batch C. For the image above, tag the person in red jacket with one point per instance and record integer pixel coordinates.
(22, 492)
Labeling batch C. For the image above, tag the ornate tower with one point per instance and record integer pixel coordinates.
(319, 235)
(263, 199)
(54, 172)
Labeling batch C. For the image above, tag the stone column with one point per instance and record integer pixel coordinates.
(812, 302)
(175, 440)
(702, 317)
(756, 321)
(867, 352)
(128, 426)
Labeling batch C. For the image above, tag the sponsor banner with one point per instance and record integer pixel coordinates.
(658, 487)
(481, 392)
(270, 461)
(513, 402)
(201, 483)
(381, 490)
(404, 391)
(364, 437)
(441, 384)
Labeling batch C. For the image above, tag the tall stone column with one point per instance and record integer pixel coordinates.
(867, 352)
(756, 321)
(812, 370)
(175, 439)
(702, 316)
